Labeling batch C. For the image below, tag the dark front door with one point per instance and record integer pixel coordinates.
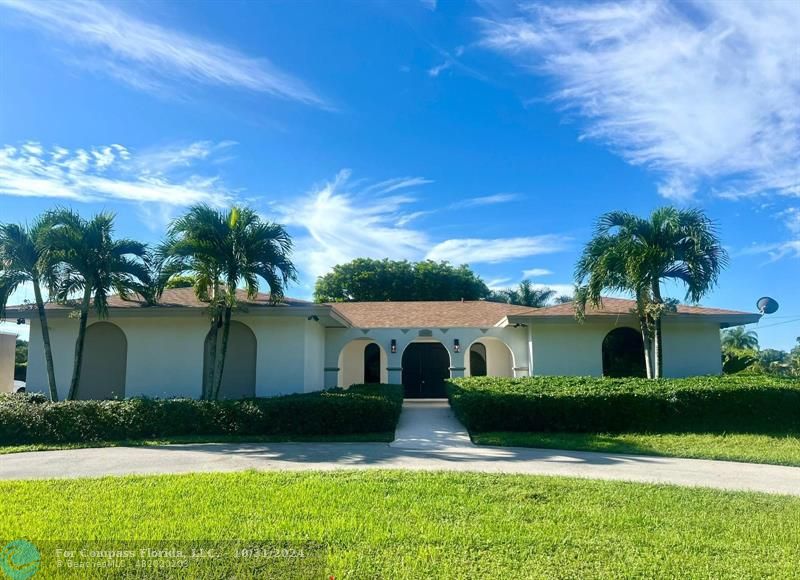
(426, 366)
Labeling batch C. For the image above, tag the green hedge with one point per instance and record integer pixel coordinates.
(359, 409)
(752, 404)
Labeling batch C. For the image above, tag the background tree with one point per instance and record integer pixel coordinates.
(24, 258)
(368, 280)
(563, 299)
(525, 294)
(635, 255)
(220, 250)
(739, 337)
(93, 265)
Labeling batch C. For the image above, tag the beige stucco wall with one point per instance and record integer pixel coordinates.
(569, 348)
(351, 363)
(499, 358)
(165, 354)
(8, 347)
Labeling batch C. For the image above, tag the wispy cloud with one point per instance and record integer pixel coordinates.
(429, 4)
(343, 219)
(110, 172)
(492, 251)
(150, 57)
(775, 251)
(704, 93)
(488, 200)
(536, 272)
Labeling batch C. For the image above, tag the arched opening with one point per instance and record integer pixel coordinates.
(362, 361)
(426, 367)
(623, 353)
(489, 356)
(105, 360)
(477, 360)
(239, 373)
(372, 364)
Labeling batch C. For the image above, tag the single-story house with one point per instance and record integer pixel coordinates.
(298, 346)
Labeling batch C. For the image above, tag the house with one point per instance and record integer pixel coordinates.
(298, 346)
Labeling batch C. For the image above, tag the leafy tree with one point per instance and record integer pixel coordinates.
(93, 265)
(21, 352)
(181, 282)
(635, 255)
(220, 250)
(736, 360)
(25, 258)
(563, 299)
(525, 295)
(368, 280)
(739, 337)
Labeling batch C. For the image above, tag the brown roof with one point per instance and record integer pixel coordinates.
(176, 298)
(617, 306)
(471, 313)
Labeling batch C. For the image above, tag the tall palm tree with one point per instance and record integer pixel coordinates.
(23, 258)
(94, 265)
(739, 337)
(526, 295)
(635, 255)
(222, 249)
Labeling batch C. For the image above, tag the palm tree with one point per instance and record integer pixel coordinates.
(635, 255)
(95, 265)
(739, 337)
(221, 249)
(526, 295)
(23, 258)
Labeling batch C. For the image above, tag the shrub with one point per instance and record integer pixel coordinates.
(359, 409)
(757, 404)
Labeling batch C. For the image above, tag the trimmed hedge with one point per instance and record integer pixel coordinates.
(359, 409)
(752, 404)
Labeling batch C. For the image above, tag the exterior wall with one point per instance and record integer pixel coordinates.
(8, 348)
(691, 349)
(569, 348)
(338, 338)
(499, 359)
(165, 354)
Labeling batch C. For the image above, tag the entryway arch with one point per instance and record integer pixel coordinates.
(489, 356)
(362, 361)
(239, 373)
(623, 353)
(426, 367)
(104, 364)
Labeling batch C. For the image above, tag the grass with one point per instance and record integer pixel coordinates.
(388, 524)
(351, 438)
(779, 449)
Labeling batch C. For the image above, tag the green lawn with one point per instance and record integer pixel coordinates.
(388, 524)
(781, 449)
(352, 438)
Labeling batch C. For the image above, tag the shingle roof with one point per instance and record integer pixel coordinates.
(178, 298)
(470, 313)
(617, 306)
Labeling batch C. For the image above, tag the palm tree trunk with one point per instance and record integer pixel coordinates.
(76, 369)
(48, 350)
(657, 358)
(226, 329)
(646, 343)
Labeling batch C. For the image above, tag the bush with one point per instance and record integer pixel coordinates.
(359, 409)
(749, 404)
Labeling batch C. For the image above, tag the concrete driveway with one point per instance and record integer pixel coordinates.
(428, 438)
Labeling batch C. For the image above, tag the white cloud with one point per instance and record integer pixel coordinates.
(791, 217)
(108, 173)
(342, 223)
(492, 251)
(429, 4)
(497, 284)
(435, 71)
(488, 200)
(775, 251)
(536, 272)
(704, 93)
(344, 219)
(149, 57)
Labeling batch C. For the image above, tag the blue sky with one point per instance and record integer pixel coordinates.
(485, 133)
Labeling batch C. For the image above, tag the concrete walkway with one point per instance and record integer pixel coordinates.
(442, 447)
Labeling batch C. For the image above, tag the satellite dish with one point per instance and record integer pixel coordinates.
(767, 305)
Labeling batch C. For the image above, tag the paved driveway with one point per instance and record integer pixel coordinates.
(440, 446)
